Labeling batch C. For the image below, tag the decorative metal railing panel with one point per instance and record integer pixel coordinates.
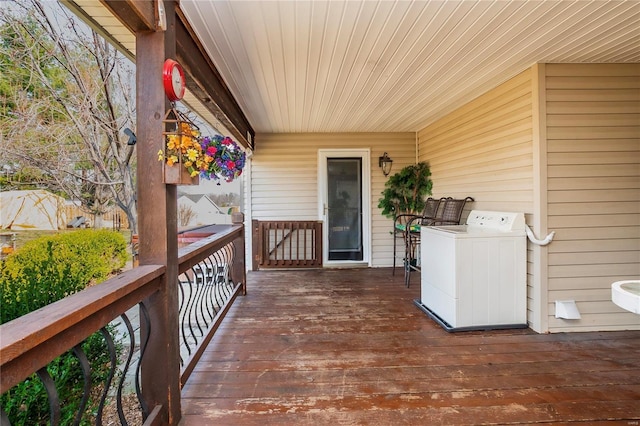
(209, 282)
(204, 292)
(118, 374)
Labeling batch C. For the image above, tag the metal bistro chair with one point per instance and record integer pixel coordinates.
(400, 222)
(449, 214)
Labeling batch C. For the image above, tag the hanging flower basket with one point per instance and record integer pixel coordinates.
(187, 156)
(222, 158)
(181, 149)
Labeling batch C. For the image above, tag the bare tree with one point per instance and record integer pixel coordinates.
(65, 108)
(185, 215)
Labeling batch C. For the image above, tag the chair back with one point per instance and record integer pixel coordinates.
(452, 211)
(431, 210)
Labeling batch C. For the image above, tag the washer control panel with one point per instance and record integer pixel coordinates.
(499, 221)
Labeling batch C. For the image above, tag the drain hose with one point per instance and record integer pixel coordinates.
(535, 240)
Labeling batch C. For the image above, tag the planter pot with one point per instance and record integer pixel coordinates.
(179, 175)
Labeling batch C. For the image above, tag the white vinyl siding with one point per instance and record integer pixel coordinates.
(284, 177)
(568, 155)
(485, 150)
(593, 140)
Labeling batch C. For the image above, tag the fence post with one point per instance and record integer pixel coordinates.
(255, 245)
(238, 271)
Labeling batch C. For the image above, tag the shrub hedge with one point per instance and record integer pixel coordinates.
(43, 271)
(52, 267)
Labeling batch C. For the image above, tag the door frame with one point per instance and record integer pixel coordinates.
(365, 155)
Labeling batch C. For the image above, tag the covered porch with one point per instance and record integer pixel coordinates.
(343, 346)
(348, 346)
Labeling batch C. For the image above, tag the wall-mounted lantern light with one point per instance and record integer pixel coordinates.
(385, 164)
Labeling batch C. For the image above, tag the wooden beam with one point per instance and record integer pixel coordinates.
(137, 16)
(206, 83)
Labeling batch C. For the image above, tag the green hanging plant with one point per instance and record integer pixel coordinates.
(405, 191)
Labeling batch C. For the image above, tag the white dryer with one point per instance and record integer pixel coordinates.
(474, 276)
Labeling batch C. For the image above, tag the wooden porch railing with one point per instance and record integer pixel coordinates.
(212, 274)
(287, 244)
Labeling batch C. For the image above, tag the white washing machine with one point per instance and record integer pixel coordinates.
(474, 276)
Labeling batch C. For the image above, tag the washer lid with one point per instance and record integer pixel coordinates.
(453, 229)
(471, 231)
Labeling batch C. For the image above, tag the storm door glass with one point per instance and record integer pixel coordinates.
(344, 208)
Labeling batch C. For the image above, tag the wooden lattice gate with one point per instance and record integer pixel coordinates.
(287, 244)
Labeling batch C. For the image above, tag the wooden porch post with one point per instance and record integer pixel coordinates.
(157, 213)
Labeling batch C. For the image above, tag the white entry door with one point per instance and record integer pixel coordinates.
(345, 206)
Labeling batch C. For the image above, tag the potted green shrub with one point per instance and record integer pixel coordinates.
(405, 192)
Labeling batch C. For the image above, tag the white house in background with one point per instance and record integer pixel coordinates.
(205, 211)
(32, 210)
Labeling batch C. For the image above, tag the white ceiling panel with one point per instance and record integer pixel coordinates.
(365, 65)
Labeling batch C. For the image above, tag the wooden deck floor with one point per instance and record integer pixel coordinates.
(349, 347)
